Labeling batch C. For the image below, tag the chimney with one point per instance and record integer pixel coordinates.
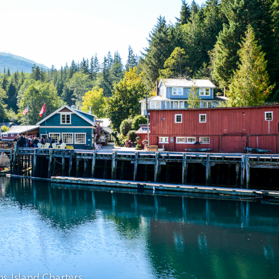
(90, 110)
(157, 87)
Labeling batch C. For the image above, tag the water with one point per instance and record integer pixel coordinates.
(52, 232)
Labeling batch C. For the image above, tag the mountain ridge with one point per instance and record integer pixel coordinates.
(17, 63)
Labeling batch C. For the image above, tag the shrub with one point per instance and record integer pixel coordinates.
(125, 126)
(138, 147)
(122, 139)
(132, 135)
(138, 139)
(139, 119)
(4, 128)
(145, 141)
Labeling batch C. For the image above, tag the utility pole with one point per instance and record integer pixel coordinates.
(147, 116)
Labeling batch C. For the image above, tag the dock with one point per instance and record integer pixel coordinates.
(179, 169)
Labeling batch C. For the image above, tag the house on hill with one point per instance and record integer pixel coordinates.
(74, 127)
(174, 93)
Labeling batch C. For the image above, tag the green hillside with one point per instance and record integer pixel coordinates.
(17, 63)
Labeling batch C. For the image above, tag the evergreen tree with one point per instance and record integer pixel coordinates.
(12, 97)
(239, 14)
(94, 67)
(250, 84)
(176, 65)
(132, 59)
(185, 13)
(106, 82)
(36, 73)
(159, 49)
(3, 106)
(8, 72)
(117, 68)
(84, 67)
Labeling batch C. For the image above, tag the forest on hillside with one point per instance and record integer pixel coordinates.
(234, 43)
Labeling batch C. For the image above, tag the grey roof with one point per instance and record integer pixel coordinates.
(20, 129)
(107, 130)
(142, 129)
(220, 98)
(183, 82)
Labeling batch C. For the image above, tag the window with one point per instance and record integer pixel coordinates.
(55, 137)
(191, 140)
(80, 138)
(67, 138)
(4, 135)
(163, 140)
(202, 118)
(180, 140)
(177, 91)
(268, 115)
(12, 135)
(65, 118)
(178, 118)
(175, 104)
(204, 140)
(204, 92)
(206, 104)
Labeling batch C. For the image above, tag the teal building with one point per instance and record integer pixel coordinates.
(72, 126)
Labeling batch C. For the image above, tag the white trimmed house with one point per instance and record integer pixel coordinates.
(173, 94)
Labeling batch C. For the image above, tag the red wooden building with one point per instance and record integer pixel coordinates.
(219, 129)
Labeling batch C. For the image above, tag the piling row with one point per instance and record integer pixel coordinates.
(118, 164)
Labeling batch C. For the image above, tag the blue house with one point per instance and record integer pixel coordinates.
(173, 94)
(72, 126)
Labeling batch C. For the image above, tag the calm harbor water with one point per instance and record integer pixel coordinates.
(49, 230)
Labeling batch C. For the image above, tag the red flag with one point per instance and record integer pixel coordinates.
(43, 110)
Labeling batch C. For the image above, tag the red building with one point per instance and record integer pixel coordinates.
(219, 129)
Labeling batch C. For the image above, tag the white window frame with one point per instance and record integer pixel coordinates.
(175, 118)
(80, 134)
(183, 142)
(206, 104)
(50, 136)
(265, 113)
(201, 140)
(190, 142)
(63, 141)
(165, 142)
(200, 116)
(177, 91)
(65, 113)
(202, 91)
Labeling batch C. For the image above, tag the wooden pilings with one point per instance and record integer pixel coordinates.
(184, 169)
(138, 165)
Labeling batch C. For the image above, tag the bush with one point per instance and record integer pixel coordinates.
(138, 147)
(132, 135)
(4, 128)
(139, 119)
(122, 140)
(125, 126)
(138, 139)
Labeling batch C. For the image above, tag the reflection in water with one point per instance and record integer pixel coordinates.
(108, 234)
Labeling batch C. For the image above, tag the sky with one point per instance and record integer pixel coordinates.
(55, 32)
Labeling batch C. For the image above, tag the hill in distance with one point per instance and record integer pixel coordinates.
(17, 63)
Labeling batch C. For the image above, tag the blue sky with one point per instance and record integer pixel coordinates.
(53, 32)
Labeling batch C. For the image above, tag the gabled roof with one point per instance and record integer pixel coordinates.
(20, 129)
(78, 110)
(73, 111)
(183, 82)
